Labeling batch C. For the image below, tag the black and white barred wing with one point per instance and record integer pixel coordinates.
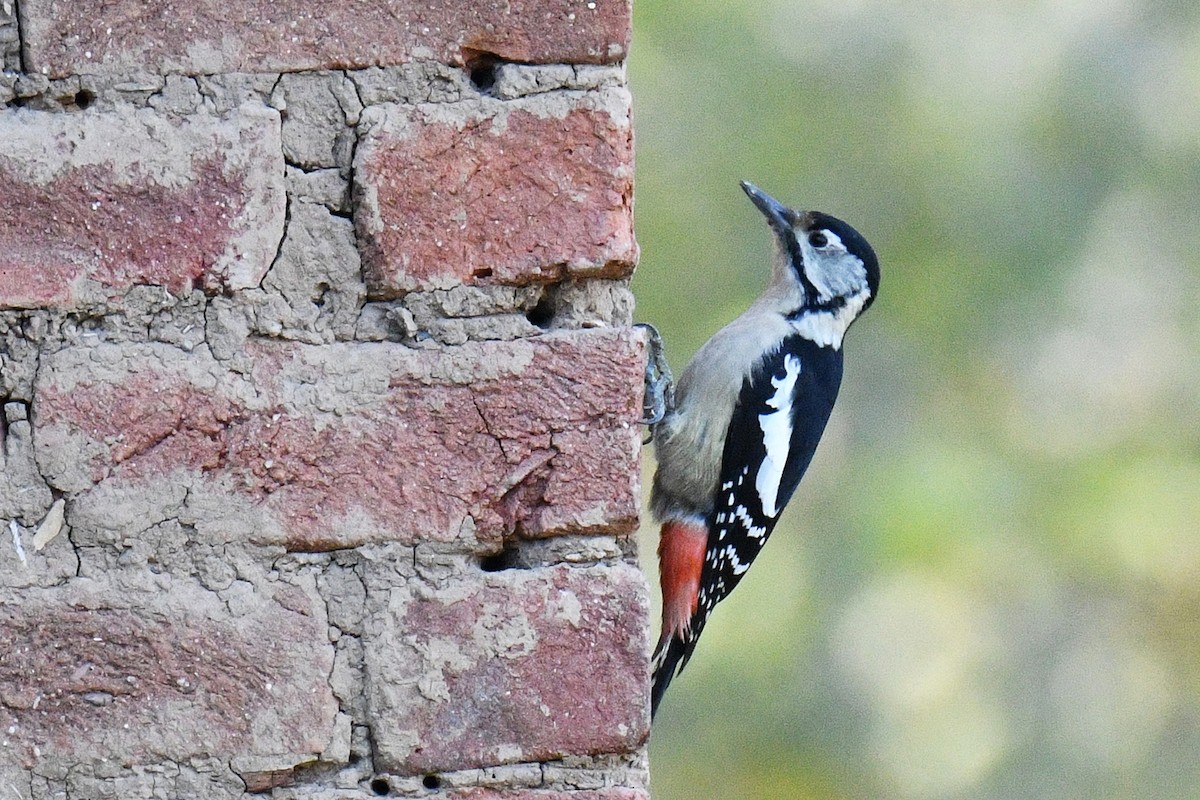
(780, 416)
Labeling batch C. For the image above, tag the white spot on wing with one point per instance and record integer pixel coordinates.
(752, 530)
(734, 562)
(777, 435)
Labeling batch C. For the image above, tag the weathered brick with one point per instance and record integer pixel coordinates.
(329, 447)
(120, 198)
(485, 191)
(153, 668)
(510, 666)
(64, 37)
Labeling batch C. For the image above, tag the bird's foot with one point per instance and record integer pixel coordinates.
(658, 399)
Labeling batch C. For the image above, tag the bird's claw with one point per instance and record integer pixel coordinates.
(658, 399)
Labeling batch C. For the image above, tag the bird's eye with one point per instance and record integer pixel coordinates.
(818, 239)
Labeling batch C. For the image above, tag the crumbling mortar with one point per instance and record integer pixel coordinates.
(211, 85)
(351, 115)
(55, 491)
(287, 221)
(22, 57)
(269, 95)
(349, 76)
(228, 360)
(68, 531)
(324, 771)
(161, 95)
(54, 330)
(350, 208)
(572, 773)
(307, 170)
(135, 89)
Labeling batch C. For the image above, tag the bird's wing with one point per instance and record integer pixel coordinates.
(779, 418)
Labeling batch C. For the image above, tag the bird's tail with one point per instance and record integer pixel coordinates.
(681, 548)
(670, 657)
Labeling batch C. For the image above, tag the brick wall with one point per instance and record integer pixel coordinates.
(319, 401)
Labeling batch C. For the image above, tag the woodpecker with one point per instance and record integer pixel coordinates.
(746, 417)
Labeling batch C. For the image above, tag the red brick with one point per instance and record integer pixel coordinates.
(511, 666)
(484, 192)
(97, 672)
(65, 37)
(328, 447)
(198, 202)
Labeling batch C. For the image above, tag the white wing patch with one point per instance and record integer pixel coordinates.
(777, 435)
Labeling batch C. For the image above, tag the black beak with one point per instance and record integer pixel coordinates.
(778, 215)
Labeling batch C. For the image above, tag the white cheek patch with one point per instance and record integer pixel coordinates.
(833, 270)
(776, 427)
(815, 259)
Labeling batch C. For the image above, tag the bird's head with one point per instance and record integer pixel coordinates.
(826, 265)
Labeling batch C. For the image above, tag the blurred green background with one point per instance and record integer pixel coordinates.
(988, 585)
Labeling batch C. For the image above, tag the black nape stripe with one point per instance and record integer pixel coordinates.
(796, 256)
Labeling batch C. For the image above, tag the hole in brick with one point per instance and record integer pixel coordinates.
(481, 68)
(483, 272)
(505, 559)
(381, 787)
(496, 563)
(431, 782)
(542, 314)
(322, 291)
(484, 76)
(84, 98)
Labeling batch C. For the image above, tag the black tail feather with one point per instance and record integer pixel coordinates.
(670, 657)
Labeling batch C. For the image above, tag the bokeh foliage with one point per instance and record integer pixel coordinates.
(988, 586)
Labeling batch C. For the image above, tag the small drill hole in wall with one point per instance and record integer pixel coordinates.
(505, 559)
(322, 292)
(483, 77)
(381, 787)
(84, 98)
(495, 563)
(431, 782)
(541, 314)
(481, 68)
